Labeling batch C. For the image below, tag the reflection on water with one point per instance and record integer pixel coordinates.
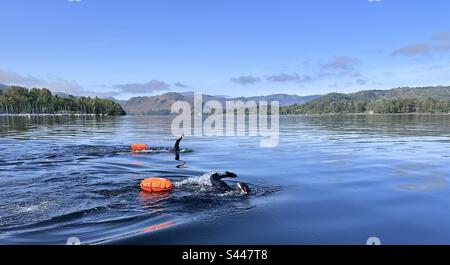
(433, 179)
(331, 179)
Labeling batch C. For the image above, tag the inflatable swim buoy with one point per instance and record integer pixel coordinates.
(139, 147)
(156, 185)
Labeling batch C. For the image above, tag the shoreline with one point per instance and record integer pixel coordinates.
(206, 114)
(367, 114)
(53, 115)
(316, 114)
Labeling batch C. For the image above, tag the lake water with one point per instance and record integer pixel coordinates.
(330, 180)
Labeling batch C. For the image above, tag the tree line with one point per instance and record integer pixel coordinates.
(343, 104)
(17, 100)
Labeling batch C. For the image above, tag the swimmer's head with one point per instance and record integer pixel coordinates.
(243, 187)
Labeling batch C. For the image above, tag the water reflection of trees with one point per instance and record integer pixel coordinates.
(389, 125)
(70, 124)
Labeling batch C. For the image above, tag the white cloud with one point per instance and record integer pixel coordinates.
(245, 80)
(59, 85)
(137, 88)
(438, 42)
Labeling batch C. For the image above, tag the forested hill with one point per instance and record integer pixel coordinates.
(421, 93)
(397, 100)
(17, 100)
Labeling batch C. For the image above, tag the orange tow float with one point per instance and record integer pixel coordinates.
(139, 147)
(156, 185)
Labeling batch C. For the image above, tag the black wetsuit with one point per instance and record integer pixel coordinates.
(176, 147)
(217, 182)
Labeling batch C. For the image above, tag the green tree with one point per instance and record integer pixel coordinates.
(17, 99)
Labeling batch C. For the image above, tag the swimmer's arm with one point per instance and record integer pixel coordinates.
(217, 177)
(176, 147)
(216, 181)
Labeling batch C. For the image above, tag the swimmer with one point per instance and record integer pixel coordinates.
(217, 182)
(177, 150)
(144, 148)
(176, 147)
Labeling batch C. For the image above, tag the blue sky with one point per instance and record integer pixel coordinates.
(235, 47)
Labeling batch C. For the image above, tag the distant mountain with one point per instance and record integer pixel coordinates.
(151, 105)
(396, 100)
(285, 99)
(2, 86)
(162, 104)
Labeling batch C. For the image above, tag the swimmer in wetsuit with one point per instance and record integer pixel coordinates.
(217, 182)
(215, 178)
(176, 146)
(176, 149)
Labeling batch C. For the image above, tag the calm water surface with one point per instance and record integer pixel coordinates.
(331, 179)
